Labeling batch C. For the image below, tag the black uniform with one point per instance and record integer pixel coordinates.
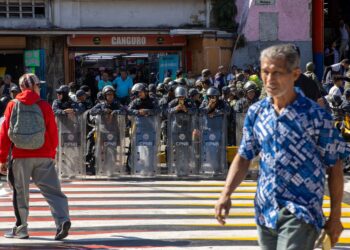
(163, 105)
(148, 103)
(59, 106)
(188, 104)
(220, 108)
(102, 108)
(98, 109)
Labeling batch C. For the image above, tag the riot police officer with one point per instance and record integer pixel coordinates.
(64, 105)
(181, 104)
(214, 106)
(163, 105)
(109, 105)
(250, 97)
(14, 91)
(195, 96)
(144, 121)
(161, 90)
(152, 90)
(83, 103)
(143, 104)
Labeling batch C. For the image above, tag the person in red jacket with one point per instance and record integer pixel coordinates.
(37, 164)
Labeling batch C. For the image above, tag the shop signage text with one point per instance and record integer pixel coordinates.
(129, 40)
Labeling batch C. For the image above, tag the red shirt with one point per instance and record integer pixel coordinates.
(48, 150)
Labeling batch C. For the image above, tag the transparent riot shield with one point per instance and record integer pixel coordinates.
(181, 151)
(213, 144)
(110, 144)
(71, 130)
(144, 146)
(239, 127)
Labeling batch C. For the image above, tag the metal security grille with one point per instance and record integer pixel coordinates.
(22, 9)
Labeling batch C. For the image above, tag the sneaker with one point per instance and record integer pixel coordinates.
(62, 231)
(20, 232)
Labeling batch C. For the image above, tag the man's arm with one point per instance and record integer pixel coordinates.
(238, 171)
(336, 188)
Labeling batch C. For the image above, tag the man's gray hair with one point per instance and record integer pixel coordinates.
(287, 52)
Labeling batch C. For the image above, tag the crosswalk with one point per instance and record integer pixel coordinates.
(146, 213)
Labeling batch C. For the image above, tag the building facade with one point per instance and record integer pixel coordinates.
(59, 39)
(274, 21)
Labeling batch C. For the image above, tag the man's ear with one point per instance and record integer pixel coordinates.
(296, 73)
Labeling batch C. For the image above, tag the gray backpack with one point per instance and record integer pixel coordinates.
(27, 126)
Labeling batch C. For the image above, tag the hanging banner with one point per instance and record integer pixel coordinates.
(168, 65)
(32, 58)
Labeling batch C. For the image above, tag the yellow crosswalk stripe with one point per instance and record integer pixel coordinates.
(344, 205)
(252, 214)
(226, 238)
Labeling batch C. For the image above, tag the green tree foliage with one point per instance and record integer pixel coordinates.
(224, 13)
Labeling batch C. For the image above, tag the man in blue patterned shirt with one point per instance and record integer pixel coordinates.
(298, 146)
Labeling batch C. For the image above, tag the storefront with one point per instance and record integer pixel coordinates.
(159, 54)
(12, 56)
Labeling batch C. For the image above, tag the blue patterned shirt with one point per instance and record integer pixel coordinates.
(296, 148)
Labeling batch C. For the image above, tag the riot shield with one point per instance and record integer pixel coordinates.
(213, 144)
(239, 127)
(71, 130)
(110, 144)
(181, 151)
(144, 146)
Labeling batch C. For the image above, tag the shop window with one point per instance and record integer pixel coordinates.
(22, 9)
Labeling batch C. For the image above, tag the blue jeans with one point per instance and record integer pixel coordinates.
(290, 234)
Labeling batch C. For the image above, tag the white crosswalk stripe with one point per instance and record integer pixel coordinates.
(136, 214)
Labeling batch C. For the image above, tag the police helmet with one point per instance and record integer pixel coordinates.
(180, 92)
(172, 85)
(181, 82)
(138, 87)
(152, 88)
(249, 86)
(80, 93)
(161, 87)
(107, 89)
(167, 80)
(225, 90)
(63, 89)
(212, 91)
(15, 89)
(310, 66)
(193, 92)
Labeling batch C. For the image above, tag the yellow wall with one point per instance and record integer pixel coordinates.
(210, 53)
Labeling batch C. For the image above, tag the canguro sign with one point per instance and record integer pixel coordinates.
(129, 40)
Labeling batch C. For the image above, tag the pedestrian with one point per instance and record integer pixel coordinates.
(344, 31)
(331, 54)
(298, 146)
(123, 85)
(8, 84)
(28, 118)
(104, 81)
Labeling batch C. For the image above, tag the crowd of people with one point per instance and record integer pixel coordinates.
(292, 130)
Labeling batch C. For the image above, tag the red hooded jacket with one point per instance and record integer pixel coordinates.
(48, 150)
